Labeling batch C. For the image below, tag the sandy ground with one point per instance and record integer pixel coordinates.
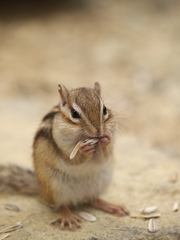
(132, 48)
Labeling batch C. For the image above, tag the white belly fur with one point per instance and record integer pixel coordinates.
(81, 184)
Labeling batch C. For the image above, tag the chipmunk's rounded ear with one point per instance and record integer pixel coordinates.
(63, 95)
(97, 88)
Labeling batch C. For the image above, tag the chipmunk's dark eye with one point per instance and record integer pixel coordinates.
(74, 113)
(104, 110)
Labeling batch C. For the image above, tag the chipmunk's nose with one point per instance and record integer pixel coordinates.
(105, 139)
(100, 131)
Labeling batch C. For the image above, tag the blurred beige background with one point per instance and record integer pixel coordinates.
(131, 47)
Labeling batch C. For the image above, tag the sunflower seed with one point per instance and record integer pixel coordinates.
(174, 177)
(153, 216)
(12, 207)
(87, 216)
(148, 210)
(146, 216)
(11, 228)
(4, 236)
(152, 226)
(75, 150)
(175, 207)
(93, 141)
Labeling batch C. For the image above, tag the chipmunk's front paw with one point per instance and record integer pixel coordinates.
(67, 220)
(71, 223)
(88, 146)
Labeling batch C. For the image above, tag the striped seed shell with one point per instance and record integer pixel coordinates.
(90, 141)
(11, 228)
(12, 207)
(152, 225)
(4, 236)
(75, 150)
(146, 216)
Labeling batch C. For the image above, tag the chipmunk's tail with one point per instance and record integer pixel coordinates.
(18, 179)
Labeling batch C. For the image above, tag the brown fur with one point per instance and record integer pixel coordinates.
(80, 120)
(14, 178)
(59, 134)
(54, 141)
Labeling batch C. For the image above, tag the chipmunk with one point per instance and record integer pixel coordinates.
(80, 121)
